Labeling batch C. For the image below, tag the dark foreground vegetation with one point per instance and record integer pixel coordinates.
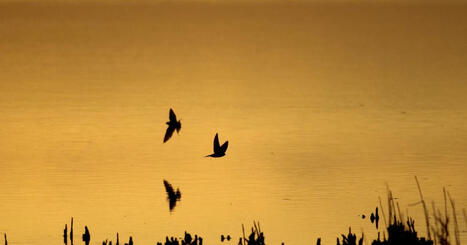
(398, 230)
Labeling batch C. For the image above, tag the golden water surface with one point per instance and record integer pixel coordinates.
(323, 104)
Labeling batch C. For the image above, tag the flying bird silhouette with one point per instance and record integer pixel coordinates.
(173, 125)
(219, 151)
(172, 196)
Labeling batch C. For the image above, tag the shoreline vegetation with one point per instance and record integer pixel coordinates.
(442, 228)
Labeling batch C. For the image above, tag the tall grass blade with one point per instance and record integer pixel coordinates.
(382, 211)
(456, 227)
(427, 218)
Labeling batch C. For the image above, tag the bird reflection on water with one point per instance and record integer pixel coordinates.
(172, 196)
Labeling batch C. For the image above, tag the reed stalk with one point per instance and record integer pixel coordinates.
(456, 226)
(244, 239)
(465, 216)
(401, 218)
(427, 218)
(445, 204)
(382, 211)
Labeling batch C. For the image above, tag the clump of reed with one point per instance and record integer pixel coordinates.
(86, 237)
(107, 242)
(256, 236)
(398, 231)
(438, 229)
(437, 226)
(65, 233)
(187, 240)
(401, 230)
(402, 233)
(350, 239)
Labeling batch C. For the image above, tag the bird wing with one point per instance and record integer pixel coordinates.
(172, 116)
(224, 146)
(168, 133)
(168, 188)
(217, 147)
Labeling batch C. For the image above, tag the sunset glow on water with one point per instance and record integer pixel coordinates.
(324, 105)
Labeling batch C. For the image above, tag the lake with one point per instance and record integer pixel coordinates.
(324, 105)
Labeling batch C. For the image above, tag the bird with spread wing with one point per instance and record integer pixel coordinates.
(219, 151)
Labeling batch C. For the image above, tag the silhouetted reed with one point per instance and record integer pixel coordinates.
(399, 233)
(422, 201)
(399, 230)
(465, 216)
(454, 216)
(130, 242)
(6, 241)
(109, 242)
(350, 239)
(65, 235)
(86, 236)
(439, 227)
(187, 240)
(71, 231)
(256, 237)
